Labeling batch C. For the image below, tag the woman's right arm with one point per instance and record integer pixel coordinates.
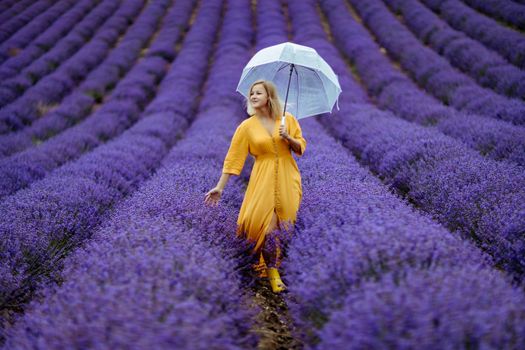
(233, 164)
(213, 195)
(223, 181)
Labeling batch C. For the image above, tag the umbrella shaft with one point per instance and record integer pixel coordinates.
(287, 90)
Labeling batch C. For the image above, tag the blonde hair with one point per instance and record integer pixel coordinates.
(274, 103)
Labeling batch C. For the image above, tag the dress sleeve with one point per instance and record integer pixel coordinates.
(237, 153)
(296, 133)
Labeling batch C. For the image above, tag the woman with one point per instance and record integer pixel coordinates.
(274, 191)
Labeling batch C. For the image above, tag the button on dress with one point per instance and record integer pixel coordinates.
(275, 181)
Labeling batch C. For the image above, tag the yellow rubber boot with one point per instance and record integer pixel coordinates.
(275, 280)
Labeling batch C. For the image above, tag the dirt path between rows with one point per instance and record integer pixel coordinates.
(273, 324)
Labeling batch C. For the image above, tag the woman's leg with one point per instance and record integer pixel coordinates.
(271, 252)
(270, 248)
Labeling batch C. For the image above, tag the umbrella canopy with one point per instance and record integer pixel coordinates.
(305, 82)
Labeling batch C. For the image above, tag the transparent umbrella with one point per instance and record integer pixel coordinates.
(305, 82)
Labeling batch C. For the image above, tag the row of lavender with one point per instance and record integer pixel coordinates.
(156, 201)
(81, 100)
(433, 72)
(38, 15)
(66, 76)
(77, 105)
(507, 11)
(121, 110)
(481, 198)
(506, 41)
(59, 211)
(56, 44)
(168, 264)
(393, 90)
(374, 326)
(40, 69)
(364, 269)
(10, 8)
(487, 67)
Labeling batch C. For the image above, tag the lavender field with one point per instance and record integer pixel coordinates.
(116, 116)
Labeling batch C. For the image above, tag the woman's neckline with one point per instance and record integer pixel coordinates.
(264, 127)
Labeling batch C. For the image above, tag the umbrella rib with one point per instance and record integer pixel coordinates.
(283, 66)
(312, 69)
(322, 82)
(324, 88)
(297, 94)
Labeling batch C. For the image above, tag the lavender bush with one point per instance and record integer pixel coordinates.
(123, 108)
(9, 8)
(72, 42)
(480, 320)
(432, 71)
(352, 229)
(482, 199)
(485, 66)
(506, 41)
(27, 34)
(101, 178)
(142, 283)
(110, 244)
(12, 25)
(75, 107)
(393, 90)
(506, 10)
(53, 87)
(325, 263)
(43, 41)
(190, 264)
(13, 87)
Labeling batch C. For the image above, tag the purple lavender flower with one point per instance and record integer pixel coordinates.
(137, 87)
(428, 309)
(507, 11)
(10, 8)
(433, 72)
(506, 41)
(487, 67)
(354, 232)
(38, 14)
(99, 179)
(52, 88)
(181, 255)
(393, 90)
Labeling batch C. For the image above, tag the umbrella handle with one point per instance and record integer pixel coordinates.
(282, 120)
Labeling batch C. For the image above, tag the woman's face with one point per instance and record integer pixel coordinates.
(258, 96)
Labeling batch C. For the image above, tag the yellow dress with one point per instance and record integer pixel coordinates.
(275, 181)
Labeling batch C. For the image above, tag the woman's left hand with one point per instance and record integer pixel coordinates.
(283, 133)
